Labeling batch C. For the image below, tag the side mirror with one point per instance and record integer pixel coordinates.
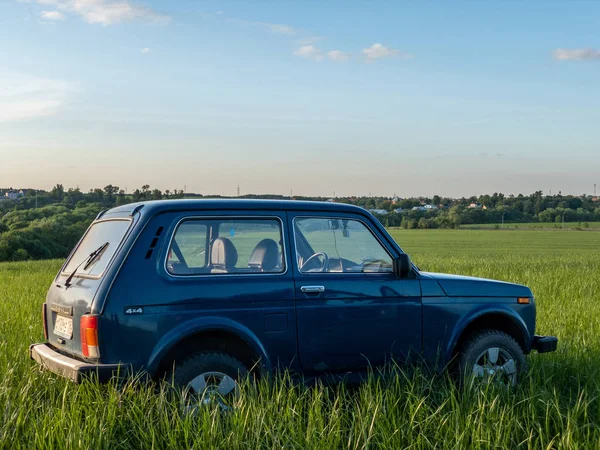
(402, 265)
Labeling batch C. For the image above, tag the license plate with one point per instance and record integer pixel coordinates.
(63, 327)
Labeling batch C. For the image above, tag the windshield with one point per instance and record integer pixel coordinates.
(108, 233)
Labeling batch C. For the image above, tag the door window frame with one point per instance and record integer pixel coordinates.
(224, 218)
(327, 216)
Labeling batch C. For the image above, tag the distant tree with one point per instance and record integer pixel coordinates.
(385, 204)
(58, 192)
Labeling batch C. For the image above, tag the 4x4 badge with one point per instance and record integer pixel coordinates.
(134, 311)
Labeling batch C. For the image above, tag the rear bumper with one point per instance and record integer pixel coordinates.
(544, 344)
(72, 368)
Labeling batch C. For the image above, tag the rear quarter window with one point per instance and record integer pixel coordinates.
(109, 232)
(227, 245)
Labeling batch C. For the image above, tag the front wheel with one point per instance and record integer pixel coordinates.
(491, 356)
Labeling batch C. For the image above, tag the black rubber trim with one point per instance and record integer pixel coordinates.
(544, 344)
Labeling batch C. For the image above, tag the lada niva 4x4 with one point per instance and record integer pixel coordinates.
(205, 291)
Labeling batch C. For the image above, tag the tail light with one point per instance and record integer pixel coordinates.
(44, 322)
(88, 327)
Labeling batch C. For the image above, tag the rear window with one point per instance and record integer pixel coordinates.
(107, 233)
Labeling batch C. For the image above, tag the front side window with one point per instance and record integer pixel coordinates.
(334, 245)
(226, 246)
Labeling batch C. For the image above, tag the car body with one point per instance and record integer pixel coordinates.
(314, 287)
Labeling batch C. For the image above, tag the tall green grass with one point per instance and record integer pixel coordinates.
(557, 406)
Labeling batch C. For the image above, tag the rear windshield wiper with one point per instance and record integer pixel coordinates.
(86, 262)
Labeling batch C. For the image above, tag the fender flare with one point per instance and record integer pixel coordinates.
(199, 325)
(476, 314)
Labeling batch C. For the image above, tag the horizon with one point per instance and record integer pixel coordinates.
(360, 99)
(293, 196)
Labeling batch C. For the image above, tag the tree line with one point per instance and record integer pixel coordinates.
(47, 224)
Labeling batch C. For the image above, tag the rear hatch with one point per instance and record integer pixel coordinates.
(71, 295)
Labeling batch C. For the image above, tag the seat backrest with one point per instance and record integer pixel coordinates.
(265, 257)
(224, 256)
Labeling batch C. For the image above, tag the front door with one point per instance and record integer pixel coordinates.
(352, 310)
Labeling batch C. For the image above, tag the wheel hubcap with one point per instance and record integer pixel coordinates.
(497, 364)
(213, 387)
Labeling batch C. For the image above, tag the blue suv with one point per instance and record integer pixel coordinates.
(205, 291)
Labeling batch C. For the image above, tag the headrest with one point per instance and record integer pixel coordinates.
(224, 253)
(265, 255)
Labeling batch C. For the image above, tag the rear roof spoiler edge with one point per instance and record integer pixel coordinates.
(136, 209)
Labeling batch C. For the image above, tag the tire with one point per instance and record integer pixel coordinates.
(208, 377)
(490, 355)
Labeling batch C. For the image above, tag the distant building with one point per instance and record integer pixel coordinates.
(11, 194)
(596, 199)
(381, 212)
(477, 206)
(398, 210)
(425, 208)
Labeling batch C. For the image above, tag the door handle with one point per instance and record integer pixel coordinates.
(312, 289)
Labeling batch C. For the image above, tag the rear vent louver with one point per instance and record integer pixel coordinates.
(154, 242)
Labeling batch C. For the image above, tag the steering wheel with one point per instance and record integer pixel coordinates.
(366, 263)
(324, 264)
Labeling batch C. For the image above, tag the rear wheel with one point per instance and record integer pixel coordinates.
(208, 378)
(491, 356)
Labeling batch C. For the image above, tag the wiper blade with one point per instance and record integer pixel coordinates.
(86, 262)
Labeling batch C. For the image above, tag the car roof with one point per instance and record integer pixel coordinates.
(152, 207)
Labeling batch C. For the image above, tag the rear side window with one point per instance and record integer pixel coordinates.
(188, 249)
(226, 246)
(105, 235)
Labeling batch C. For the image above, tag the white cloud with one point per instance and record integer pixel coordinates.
(577, 54)
(105, 12)
(280, 28)
(310, 52)
(25, 97)
(337, 55)
(378, 51)
(52, 15)
(145, 50)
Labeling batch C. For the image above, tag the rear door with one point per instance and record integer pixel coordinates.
(74, 288)
(352, 310)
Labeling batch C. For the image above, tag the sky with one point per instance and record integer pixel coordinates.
(314, 98)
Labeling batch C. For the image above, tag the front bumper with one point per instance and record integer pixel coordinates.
(72, 368)
(544, 344)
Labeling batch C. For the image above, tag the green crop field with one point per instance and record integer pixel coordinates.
(556, 406)
(537, 225)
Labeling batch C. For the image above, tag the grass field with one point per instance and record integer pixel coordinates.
(537, 225)
(557, 406)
